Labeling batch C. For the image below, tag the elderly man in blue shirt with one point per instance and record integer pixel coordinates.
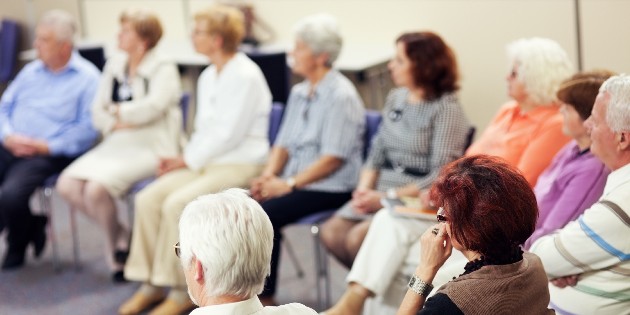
(44, 123)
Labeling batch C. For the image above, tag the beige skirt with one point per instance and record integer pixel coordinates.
(116, 168)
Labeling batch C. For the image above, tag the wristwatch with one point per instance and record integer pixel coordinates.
(420, 287)
(291, 183)
(391, 193)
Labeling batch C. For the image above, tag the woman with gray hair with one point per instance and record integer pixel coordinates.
(225, 244)
(527, 131)
(315, 162)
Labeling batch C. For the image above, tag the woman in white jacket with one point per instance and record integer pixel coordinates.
(136, 110)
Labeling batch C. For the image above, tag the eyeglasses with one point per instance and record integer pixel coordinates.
(440, 215)
(178, 250)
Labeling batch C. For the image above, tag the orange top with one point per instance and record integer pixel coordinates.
(528, 141)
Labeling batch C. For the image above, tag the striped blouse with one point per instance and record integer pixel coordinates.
(596, 246)
(423, 136)
(330, 122)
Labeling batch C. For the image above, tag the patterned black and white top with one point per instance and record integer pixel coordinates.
(423, 136)
(330, 122)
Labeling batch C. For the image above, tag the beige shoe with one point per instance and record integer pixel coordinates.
(172, 307)
(138, 303)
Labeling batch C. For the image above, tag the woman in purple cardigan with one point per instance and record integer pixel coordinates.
(576, 178)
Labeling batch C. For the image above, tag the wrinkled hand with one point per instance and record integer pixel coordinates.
(425, 199)
(23, 146)
(366, 201)
(568, 281)
(169, 164)
(435, 249)
(273, 187)
(256, 186)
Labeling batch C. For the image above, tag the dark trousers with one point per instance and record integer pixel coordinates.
(19, 177)
(290, 208)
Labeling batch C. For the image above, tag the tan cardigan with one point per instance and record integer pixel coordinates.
(519, 288)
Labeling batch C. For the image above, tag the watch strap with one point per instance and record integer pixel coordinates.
(420, 287)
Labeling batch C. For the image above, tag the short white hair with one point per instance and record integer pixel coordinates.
(232, 237)
(542, 65)
(618, 108)
(62, 23)
(320, 32)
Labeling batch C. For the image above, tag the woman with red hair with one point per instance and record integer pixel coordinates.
(487, 211)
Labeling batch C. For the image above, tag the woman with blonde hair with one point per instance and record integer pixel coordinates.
(136, 111)
(227, 148)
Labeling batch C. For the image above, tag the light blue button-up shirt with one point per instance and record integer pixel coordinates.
(330, 122)
(54, 107)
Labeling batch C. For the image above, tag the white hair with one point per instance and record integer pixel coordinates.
(232, 237)
(320, 32)
(542, 65)
(618, 109)
(62, 23)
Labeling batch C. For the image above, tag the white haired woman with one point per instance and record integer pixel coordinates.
(225, 243)
(315, 162)
(527, 131)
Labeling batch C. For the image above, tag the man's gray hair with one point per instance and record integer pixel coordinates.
(62, 23)
(618, 109)
(542, 65)
(320, 32)
(232, 237)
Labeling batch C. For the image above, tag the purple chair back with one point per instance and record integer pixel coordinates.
(9, 41)
(275, 118)
(372, 122)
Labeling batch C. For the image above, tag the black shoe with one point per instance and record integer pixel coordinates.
(120, 256)
(38, 237)
(13, 260)
(118, 277)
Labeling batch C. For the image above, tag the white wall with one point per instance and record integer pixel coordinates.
(478, 30)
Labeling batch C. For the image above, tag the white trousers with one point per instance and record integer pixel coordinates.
(388, 257)
(157, 209)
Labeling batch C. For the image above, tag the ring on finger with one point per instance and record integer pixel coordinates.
(435, 231)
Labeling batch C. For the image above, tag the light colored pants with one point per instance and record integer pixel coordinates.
(388, 257)
(157, 209)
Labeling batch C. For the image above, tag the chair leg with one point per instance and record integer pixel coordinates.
(130, 207)
(75, 239)
(293, 257)
(45, 195)
(322, 277)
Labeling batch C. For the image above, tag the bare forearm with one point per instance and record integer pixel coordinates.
(277, 159)
(321, 168)
(368, 179)
(411, 303)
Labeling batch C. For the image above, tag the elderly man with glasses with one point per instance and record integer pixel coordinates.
(225, 250)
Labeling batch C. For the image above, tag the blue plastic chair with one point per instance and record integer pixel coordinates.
(9, 45)
(275, 119)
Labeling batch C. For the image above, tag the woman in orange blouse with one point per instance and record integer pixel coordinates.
(527, 131)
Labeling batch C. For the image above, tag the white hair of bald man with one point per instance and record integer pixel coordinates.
(232, 237)
(63, 24)
(542, 65)
(618, 109)
(320, 32)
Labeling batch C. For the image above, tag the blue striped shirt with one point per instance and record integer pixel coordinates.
(54, 107)
(330, 122)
